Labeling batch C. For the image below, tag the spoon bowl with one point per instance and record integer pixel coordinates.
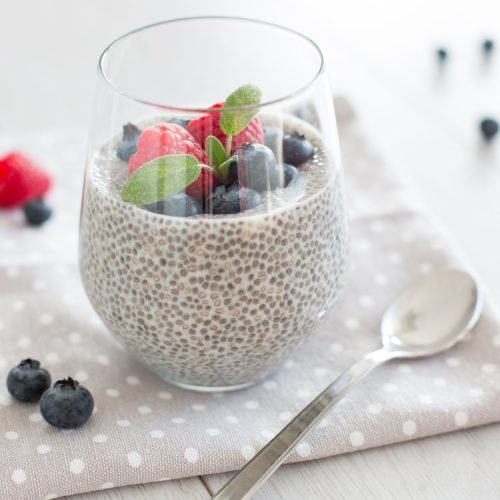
(431, 316)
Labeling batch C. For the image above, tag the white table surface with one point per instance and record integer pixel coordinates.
(379, 55)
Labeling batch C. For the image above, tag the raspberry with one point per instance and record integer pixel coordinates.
(164, 139)
(208, 124)
(168, 139)
(21, 180)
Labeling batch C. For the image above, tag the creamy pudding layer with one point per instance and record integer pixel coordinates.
(214, 301)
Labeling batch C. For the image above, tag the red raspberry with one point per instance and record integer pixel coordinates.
(21, 180)
(168, 139)
(208, 124)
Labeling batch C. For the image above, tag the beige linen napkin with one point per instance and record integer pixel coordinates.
(144, 430)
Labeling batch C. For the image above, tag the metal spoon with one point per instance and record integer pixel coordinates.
(428, 318)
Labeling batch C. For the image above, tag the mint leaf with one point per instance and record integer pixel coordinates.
(222, 170)
(233, 121)
(160, 178)
(215, 151)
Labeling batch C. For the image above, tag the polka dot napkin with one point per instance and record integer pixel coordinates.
(144, 430)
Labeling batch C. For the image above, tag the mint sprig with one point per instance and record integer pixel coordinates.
(215, 151)
(233, 121)
(222, 170)
(160, 178)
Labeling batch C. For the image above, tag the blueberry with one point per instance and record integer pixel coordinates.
(27, 381)
(273, 137)
(442, 54)
(37, 212)
(290, 174)
(296, 149)
(233, 172)
(257, 168)
(67, 405)
(177, 205)
(232, 199)
(183, 122)
(488, 45)
(489, 128)
(128, 144)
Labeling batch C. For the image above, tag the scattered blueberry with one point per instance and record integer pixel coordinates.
(183, 122)
(128, 144)
(273, 136)
(488, 46)
(257, 168)
(290, 174)
(37, 212)
(67, 405)
(296, 149)
(232, 199)
(442, 54)
(27, 381)
(177, 205)
(489, 128)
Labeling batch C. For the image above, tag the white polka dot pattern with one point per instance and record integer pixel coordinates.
(212, 431)
(134, 459)
(409, 428)
(76, 466)
(461, 418)
(191, 455)
(18, 476)
(157, 434)
(303, 450)
(357, 439)
(247, 452)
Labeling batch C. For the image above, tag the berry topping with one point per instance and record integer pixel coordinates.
(489, 128)
(232, 199)
(183, 122)
(177, 205)
(290, 174)
(171, 139)
(296, 149)
(67, 405)
(442, 54)
(128, 144)
(256, 168)
(273, 137)
(169, 159)
(488, 46)
(209, 124)
(21, 180)
(27, 381)
(202, 186)
(37, 212)
(164, 139)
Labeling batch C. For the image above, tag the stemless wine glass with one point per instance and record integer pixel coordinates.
(213, 229)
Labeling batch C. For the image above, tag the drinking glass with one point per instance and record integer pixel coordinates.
(213, 233)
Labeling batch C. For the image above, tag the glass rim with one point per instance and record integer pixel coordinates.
(291, 95)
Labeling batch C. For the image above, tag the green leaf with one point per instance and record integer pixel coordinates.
(160, 178)
(222, 170)
(233, 121)
(215, 151)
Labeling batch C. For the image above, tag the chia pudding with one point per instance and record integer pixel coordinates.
(215, 301)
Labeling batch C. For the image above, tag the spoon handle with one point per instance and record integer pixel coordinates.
(246, 482)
